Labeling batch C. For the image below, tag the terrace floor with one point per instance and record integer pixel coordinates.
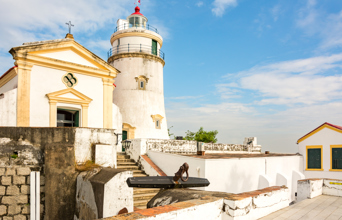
(321, 207)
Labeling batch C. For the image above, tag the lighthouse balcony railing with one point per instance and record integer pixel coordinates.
(135, 48)
(136, 26)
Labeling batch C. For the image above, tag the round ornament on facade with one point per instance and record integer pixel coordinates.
(69, 80)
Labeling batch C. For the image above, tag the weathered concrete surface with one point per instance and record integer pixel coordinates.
(29, 143)
(332, 187)
(52, 151)
(60, 181)
(86, 208)
(170, 196)
(309, 188)
(111, 191)
(142, 145)
(218, 206)
(87, 138)
(102, 193)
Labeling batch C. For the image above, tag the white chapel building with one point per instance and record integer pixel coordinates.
(322, 152)
(59, 83)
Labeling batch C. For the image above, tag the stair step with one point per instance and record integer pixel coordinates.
(124, 160)
(121, 153)
(137, 191)
(126, 163)
(141, 203)
(128, 167)
(147, 196)
(138, 172)
(123, 157)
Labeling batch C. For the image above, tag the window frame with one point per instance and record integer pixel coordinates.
(142, 79)
(307, 157)
(154, 47)
(76, 116)
(331, 158)
(157, 119)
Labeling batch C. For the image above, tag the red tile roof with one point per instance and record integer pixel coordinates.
(7, 72)
(335, 126)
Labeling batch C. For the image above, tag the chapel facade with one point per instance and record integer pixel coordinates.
(59, 83)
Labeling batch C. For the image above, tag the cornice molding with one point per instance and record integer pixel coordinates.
(65, 66)
(54, 97)
(56, 46)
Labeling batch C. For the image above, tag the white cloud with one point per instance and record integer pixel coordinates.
(199, 4)
(99, 44)
(275, 11)
(228, 90)
(224, 107)
(162, 29)
(34, 20)
(319, 23)
(220, 6)
(277, 132)
(308, 16)
(304, 81)
(287, 89)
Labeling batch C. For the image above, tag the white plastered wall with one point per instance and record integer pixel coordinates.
(68, 56)
(117, 195)
(233, 175)
(324, 137)
(46, 80)
(137, 106)
(117, 126)
(134, 41)
(8, 108)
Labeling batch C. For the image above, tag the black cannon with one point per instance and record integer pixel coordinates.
(169, 182)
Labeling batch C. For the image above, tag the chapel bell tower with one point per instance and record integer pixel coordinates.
(139, 91)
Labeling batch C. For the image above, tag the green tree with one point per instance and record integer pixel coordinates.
(202, 136)
(169, 132)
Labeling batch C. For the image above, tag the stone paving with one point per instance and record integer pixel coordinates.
(321, 207)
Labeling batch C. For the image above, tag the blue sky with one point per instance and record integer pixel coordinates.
(270, 69)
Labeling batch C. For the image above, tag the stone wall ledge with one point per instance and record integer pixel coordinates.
(249, 205)
(313, 187)
(255, 193)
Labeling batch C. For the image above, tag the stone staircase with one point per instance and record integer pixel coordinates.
(141, 196)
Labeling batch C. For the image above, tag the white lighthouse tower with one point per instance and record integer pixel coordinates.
(139, 91)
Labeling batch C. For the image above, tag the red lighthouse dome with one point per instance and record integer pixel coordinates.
(137, 11)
